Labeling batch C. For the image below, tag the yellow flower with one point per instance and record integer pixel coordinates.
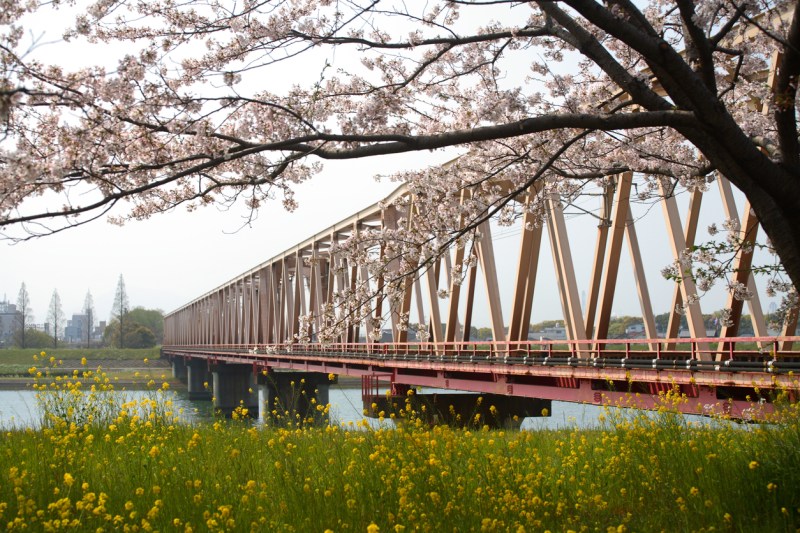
(753, 465)
(68, 480)
(83, 361)
(373, 528)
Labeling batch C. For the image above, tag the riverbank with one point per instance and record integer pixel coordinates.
(122, 371)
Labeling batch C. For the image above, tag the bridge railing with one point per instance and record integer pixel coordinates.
(742, 352)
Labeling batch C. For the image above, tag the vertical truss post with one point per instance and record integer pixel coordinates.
(641, 281)
(742, 263)
(619, 220)
(690, 232)
(694, 314)
(596, 276)
(565, 271)
(485, 250)
(527, 266)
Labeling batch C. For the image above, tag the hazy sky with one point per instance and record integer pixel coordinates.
(172, 258)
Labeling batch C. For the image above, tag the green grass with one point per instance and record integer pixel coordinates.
(105, 466)
(25, 356)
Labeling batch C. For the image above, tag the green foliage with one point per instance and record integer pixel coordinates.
(34, 339)
(617, 326)
(138, 336)
(540, 326)
(152, 319)
(142, 328)
(480, 334)
(20, 356)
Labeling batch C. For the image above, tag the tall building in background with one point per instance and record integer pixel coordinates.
(9, 318)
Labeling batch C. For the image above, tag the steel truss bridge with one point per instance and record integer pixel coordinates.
(254, 320)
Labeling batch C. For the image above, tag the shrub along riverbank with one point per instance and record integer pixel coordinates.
(95, 465)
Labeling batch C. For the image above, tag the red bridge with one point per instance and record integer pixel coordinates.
(258, 331)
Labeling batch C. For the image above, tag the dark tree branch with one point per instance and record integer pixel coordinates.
(786, 95)
(698, 47)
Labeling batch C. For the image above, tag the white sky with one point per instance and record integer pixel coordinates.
(173, 258)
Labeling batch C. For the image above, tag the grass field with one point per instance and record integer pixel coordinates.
(100, 465)
(17, 361)
(25, 356)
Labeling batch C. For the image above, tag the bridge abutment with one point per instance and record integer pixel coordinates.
(197, 379)
(291, 398)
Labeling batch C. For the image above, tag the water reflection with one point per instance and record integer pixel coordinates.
(19, 409)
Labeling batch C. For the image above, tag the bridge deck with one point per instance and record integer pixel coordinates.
(731, 376)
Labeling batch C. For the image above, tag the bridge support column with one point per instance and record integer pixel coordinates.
(234, 386)
(461, 410)
(179, 370)
(197, 379)
(291, 398)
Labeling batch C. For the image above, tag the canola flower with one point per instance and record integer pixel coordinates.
(95, 465)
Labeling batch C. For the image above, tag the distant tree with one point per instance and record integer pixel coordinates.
(480, 334)
(540, 326)
(133, 335)
(88, 311)
(152, 319)
(33, 339)
(24, 316)
(120, 308)
(662, 321)
(55, 316)
(617, 326)
(138, 336)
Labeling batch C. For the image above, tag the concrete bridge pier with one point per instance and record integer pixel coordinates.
(292, 398)
(197, 379)
(457, 409)
(179, 369)
(234, 386)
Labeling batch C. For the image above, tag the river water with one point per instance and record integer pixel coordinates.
(19, 408)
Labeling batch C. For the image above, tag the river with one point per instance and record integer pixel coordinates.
(19, 408)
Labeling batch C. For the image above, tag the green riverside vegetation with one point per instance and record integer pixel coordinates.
(99, 462)
(17, 361)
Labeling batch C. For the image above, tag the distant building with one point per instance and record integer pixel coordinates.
(9, 320)
(75, 332)
(635, 331)
(552, 333)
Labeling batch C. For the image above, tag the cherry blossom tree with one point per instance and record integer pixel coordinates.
(221, 101)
